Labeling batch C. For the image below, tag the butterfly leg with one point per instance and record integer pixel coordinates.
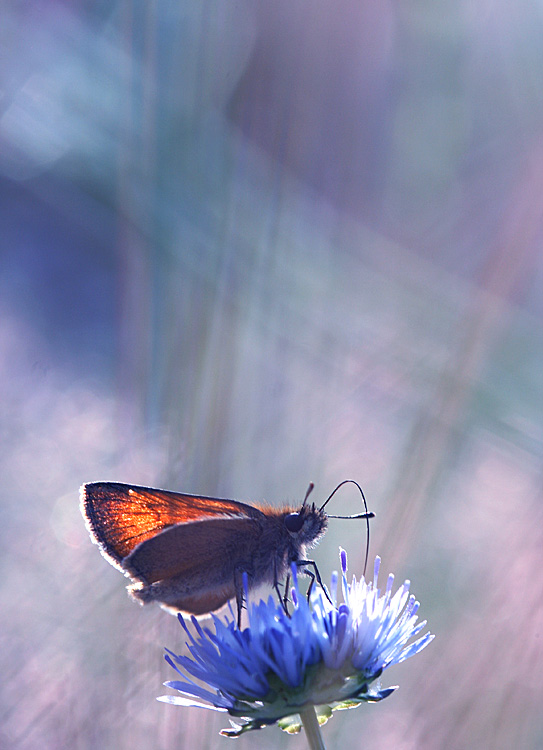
(316, 574)
(240, 596)
(283, 598)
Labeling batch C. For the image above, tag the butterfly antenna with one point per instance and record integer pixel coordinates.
(367, 515)
(309, 491)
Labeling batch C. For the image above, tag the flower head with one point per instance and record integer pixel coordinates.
(323, 654)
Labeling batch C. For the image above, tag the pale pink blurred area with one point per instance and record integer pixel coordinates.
(245, 246)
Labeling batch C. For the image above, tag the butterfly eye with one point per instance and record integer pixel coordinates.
(294, 521)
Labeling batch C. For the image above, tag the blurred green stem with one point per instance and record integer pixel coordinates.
(312, 728)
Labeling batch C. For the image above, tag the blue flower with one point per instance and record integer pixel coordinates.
(324, 654)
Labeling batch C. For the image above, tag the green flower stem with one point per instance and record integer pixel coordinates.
(312, 729)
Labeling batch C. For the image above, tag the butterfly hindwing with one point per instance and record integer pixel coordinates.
(195, 567)
(199, 549)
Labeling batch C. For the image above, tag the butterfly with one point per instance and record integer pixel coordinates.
(189, 553)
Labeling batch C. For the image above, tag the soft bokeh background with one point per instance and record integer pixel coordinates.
(246, 245)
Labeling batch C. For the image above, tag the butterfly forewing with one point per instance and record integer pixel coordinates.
(122, 516)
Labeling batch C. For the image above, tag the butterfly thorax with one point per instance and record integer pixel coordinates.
(279, 546)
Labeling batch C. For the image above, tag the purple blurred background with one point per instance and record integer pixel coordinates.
(248, 245)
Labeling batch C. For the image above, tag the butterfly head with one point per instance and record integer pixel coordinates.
(306, 525)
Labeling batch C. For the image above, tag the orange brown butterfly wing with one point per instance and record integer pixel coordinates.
(121, 516)
(197, 565)
(200, 548)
